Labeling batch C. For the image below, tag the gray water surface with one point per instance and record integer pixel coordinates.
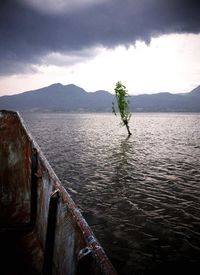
(141, 195)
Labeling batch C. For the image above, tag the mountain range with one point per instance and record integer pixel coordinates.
(71, 98)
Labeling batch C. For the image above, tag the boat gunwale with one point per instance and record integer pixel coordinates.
(89, 237)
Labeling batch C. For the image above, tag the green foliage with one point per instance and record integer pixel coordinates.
(121, 94)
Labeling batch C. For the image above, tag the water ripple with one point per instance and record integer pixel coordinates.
(140, 195)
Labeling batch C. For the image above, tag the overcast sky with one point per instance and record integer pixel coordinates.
(150, 45)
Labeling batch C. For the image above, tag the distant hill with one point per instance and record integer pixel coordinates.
(70, 98)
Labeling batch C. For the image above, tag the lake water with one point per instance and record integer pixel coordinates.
(141, 196)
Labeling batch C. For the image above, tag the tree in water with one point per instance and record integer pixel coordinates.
(121, 94)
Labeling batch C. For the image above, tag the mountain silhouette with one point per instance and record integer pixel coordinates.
(71, 98)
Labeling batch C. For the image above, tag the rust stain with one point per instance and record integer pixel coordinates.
(15, 171)
(38, 214)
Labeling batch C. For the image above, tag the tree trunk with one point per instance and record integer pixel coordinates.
(127, 127)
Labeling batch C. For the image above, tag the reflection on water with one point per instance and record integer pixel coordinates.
(140, 195)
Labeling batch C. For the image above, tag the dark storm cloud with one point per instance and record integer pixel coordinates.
(26, 34)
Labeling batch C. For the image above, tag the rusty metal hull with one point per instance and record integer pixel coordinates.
(39, 221)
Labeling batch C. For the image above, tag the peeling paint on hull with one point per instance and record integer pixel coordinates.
(39, 221)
